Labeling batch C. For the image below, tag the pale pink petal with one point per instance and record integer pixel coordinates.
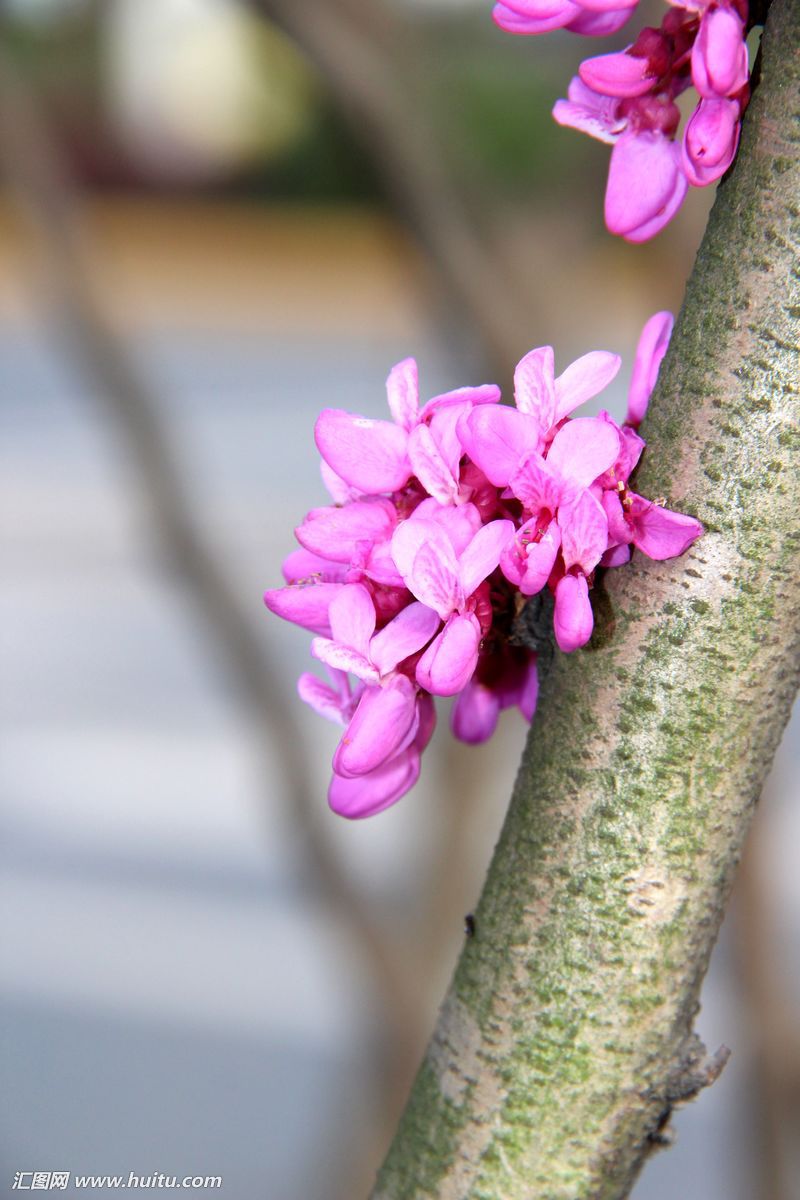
(407, 633)
(402, 391)
(369, 455)
(339, 491)
(584, 533)
(430, 467)
(335, 533)
(381, 726)
(444, 428)
(483, 393)
(584, 379)
(483, 554)
(496, 438)
(618, 74)
(475, 713)
(305, 605)
(534, 386)
(538, 486)
(343, 658)
(605, 6)
(646, 185)
(425, 558)
(659, 533)
(352, 616)
(322, 698)
(451, 658)
(460, 524)
(539, 560)
(589, 112)
(583, 449)
(618, 528)
(366, 795)
(573, 619)
(651, 348)
(380, 567)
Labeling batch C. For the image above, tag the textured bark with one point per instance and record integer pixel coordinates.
(567, 1032)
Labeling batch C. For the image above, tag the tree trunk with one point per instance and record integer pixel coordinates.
(566, 1035)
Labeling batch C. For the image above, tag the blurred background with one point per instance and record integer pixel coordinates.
(215, 219)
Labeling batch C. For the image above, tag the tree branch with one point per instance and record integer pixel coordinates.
(567, 1032)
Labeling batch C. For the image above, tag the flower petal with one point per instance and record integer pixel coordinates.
(483, 554)
(352, 616)
(402, 392)
(619, 74)
(584, 379)
(306, 605)
(573, 619)
(496, 438)
(334, 533)
(320, 696)
(539, 560)
(584, 533)
(534, 386)
(385, 719)
(646, 185)
(451, 658)
(366, 795)
(651, 348)
(426, 560)
(475, 713)
(583, 449)
(404, 635)
(658, 532)
(538, 486)
(369, 455)
(430, 467)
(343, 658)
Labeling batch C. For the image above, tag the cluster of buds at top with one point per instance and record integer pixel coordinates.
(443, 521)
(628, 99)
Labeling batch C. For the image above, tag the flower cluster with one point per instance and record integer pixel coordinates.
(628, 99)
(443, 521)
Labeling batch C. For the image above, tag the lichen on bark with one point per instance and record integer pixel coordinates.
(567, 1031)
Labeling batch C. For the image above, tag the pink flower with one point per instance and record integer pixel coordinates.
(595, 18)
(710, 140)
(650, 350)
(446, 577)
(646, 185)
(719, 55)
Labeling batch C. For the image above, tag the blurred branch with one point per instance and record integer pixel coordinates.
(47, 200)
(370, 61)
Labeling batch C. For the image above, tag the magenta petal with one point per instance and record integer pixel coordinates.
(366, 795)
(618, 528)
(540, 559)
(430, 467)
(322, 698)
(583, 449)
(573, 619)
(557, 15)
(645, 185)
(383, 722)
(659, 533)
(352, 616)
(584, 533)
(301, 566)
(335, 533)
(584, 379)
(534, 386)
(460, 523)
(651, 348)
(619, 74)
(537, 485)
(710, 141)
(483, 554)
(405, 634)
(425, 558)
(616, 556)
(402, 391)
(305, 605)
(369, 455)
(719, 54)
(475, 713)
(601, 24)
(529, 693)
(496, 438)
(482, 393)
(451, 658)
